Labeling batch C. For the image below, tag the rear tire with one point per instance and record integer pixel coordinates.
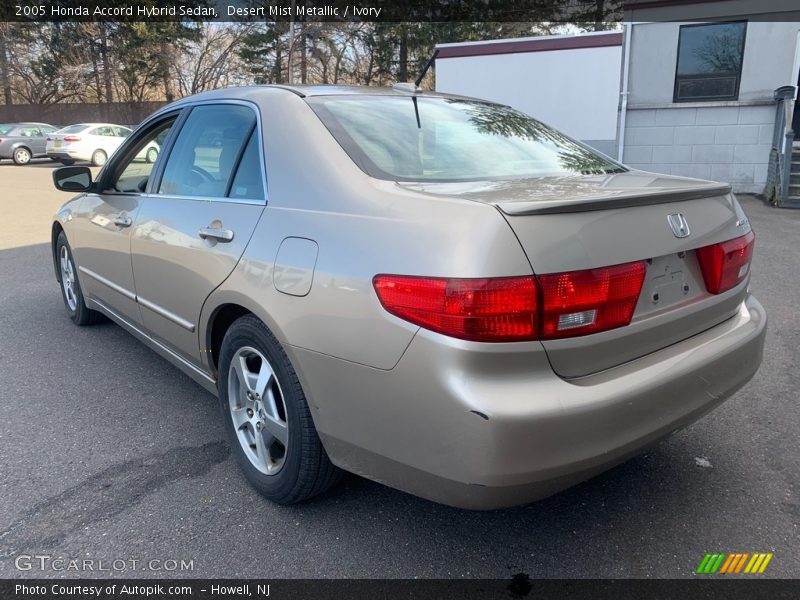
(22, 156)
(288, 465)
(70, 286)
(99, 158)
(151, 155)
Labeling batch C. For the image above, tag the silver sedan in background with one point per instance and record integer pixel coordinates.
(439, 293)
(22, 142)
(93, 142)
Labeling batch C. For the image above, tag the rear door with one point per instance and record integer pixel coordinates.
(33, 138)
(194, 225)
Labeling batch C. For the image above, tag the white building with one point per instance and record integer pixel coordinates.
(569, 82)
(693, 97)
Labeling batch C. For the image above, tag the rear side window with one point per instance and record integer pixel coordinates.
(248, 182)
(444, 139)
(206, 151)
(103, 131)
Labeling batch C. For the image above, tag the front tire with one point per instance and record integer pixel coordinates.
(99, 158)
(151, 155)
(267, 417)
(70, 286)
(22, 156)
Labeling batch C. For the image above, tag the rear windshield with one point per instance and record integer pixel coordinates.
(5, 128)
(72, 129)
(445, 139)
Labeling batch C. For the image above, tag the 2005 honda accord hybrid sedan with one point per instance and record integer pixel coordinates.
(438, 293)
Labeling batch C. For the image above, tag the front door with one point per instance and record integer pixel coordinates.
(101, 238)
(191, 231)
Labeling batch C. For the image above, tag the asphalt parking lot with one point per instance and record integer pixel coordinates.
(107, 452)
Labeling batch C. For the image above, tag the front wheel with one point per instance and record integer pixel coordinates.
(70, 287)
(22, 156)
(151, 155)
(267, 417)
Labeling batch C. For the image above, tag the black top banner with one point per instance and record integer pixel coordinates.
(313, 10)
(395, 11)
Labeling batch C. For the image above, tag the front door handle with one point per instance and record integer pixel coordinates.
(122, 221)
(221, 235)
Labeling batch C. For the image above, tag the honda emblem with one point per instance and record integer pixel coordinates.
(677, 222)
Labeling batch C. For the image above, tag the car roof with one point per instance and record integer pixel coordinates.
(24, 124)
(311, 90)
(403, 89)
(87, 125)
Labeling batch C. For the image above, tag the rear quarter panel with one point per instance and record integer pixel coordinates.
(362, 227)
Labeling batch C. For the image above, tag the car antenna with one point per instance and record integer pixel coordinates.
(426, 67)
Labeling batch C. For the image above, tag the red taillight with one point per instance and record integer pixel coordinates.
(486, 310)
(583, 302)
(509, 309)
(72, 138)
(725, 265)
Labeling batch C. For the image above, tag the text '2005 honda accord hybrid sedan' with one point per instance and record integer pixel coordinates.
(438, 293)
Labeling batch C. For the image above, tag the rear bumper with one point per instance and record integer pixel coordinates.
(485, 426)
(69, 154)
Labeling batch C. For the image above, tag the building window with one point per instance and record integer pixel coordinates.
(709, 62)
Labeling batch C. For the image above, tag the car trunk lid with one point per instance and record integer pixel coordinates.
(586, 222)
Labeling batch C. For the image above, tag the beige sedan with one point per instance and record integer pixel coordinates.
(438, 293)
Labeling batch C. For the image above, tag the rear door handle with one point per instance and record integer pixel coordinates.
(221, 235)
(121, 221)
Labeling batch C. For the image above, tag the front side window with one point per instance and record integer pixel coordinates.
(709, 62)
(135, 169)
(401, 138)
(206, 150)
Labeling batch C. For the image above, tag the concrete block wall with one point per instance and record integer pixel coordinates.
(722, 143)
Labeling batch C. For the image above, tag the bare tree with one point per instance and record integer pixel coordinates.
(211, 61)
(721, 52)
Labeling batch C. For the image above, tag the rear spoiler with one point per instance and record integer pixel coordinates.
(617, 199)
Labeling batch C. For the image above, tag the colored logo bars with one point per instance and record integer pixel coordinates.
(737, 562)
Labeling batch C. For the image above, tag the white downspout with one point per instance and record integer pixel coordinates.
(624, 93)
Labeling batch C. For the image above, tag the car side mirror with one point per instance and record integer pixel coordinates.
(72, 179)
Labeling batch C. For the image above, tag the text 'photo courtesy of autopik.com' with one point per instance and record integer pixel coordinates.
(399, 299)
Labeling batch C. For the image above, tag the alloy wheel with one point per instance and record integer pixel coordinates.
(258, 410)
(22, 156)
(68, 279)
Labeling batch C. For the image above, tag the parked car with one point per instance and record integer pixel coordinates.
(438, 293)
(93, 142)
(22, 142)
